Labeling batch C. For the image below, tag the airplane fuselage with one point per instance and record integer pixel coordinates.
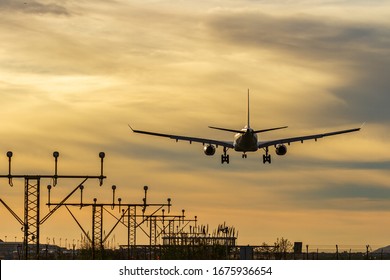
(246, 141)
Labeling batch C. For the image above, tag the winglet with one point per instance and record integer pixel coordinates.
(131, 128)
(363, 124)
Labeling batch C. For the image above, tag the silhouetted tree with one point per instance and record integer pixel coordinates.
(282, 247)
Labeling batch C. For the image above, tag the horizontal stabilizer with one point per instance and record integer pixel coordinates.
(227, 129)
(269, 129)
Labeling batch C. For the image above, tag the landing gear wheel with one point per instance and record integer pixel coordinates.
(244, 155)
(225, 157)
(266, 157)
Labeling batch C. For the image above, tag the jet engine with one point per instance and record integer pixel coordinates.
(281, 150)
(209, 150)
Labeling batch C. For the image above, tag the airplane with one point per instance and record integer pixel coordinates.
(246, 140)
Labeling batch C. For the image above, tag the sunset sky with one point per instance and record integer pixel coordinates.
(74, 74)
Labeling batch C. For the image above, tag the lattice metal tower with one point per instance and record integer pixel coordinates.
(31, 215)
(97, 228)
(32, 221)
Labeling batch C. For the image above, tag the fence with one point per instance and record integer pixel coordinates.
(11, 250)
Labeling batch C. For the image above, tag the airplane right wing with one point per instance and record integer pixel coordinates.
(264, 144)
(204, 141)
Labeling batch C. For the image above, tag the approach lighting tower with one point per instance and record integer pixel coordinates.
(32, 185)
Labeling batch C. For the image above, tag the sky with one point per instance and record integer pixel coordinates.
(74, 74)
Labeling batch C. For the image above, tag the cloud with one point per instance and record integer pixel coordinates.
(73, 83)
(307, 36)
(351, 197)
(368, 95)
(356, 52)
(32, 7)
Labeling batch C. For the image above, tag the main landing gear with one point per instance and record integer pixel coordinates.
(266, 157)
(225, 157)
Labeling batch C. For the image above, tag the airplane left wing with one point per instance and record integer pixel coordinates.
(204, 141)
(264, 144)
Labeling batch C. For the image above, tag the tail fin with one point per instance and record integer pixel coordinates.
(261, 130)
(248, 109)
